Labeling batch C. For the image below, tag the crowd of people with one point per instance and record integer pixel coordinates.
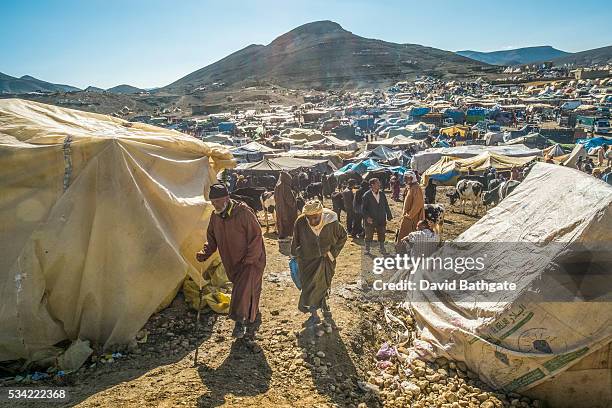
(317, 239)
(317, 235)
(604, 160)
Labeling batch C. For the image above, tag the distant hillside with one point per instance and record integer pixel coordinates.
(587, 58)
(324, 55)
(94, 89)
(125, 89)
(27, 83)
(517, 56)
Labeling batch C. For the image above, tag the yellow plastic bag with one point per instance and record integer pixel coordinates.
(219, 302)
(214, 279)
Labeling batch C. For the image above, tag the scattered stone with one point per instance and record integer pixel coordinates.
(482, 397)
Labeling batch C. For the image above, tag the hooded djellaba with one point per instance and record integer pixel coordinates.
(235, 232)
(414, 207)
(318, 238)
(285, 206)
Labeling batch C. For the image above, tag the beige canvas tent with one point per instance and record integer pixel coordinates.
(394, 142)
(300, 134)
(421, 161)
(530, 340)
(553, 151)
(448, 167)
(332, 142)
(334, 156)
(570, 159)
(99, 223)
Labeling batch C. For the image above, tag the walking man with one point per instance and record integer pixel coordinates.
(395, 188)
(318, 238)
(376, 213)
(337, 202)
(235, 232)
(358, 230)
(347, 200)
(414, 206)
(285, 206)
(430, 192)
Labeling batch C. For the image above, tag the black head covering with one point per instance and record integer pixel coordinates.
(218, 190)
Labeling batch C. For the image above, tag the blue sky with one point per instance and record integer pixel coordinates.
(150, 43)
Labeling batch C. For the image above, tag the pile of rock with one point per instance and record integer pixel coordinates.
(405, 381)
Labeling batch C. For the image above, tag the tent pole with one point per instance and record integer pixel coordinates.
(197, 323)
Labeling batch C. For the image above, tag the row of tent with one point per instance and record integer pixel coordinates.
(450, 166)
(100, 219)
(255, 151)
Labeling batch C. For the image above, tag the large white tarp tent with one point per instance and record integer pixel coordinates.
(394, 142)
(99, 223)
(555, 350)
(571, 159)
(333, 143)
(251, 152)
(421, 161)
(283, 163)
(334, 156)
(301, 133)
(553, 151)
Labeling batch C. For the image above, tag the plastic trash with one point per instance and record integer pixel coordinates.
(385, 352)
(39, 376)
(293, 267)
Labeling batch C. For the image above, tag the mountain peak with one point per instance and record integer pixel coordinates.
(323, 55)
(318, 27)
(310, 32)
(28, 83)
(124, 89)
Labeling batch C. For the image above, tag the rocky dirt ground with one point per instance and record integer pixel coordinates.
(288, 366)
